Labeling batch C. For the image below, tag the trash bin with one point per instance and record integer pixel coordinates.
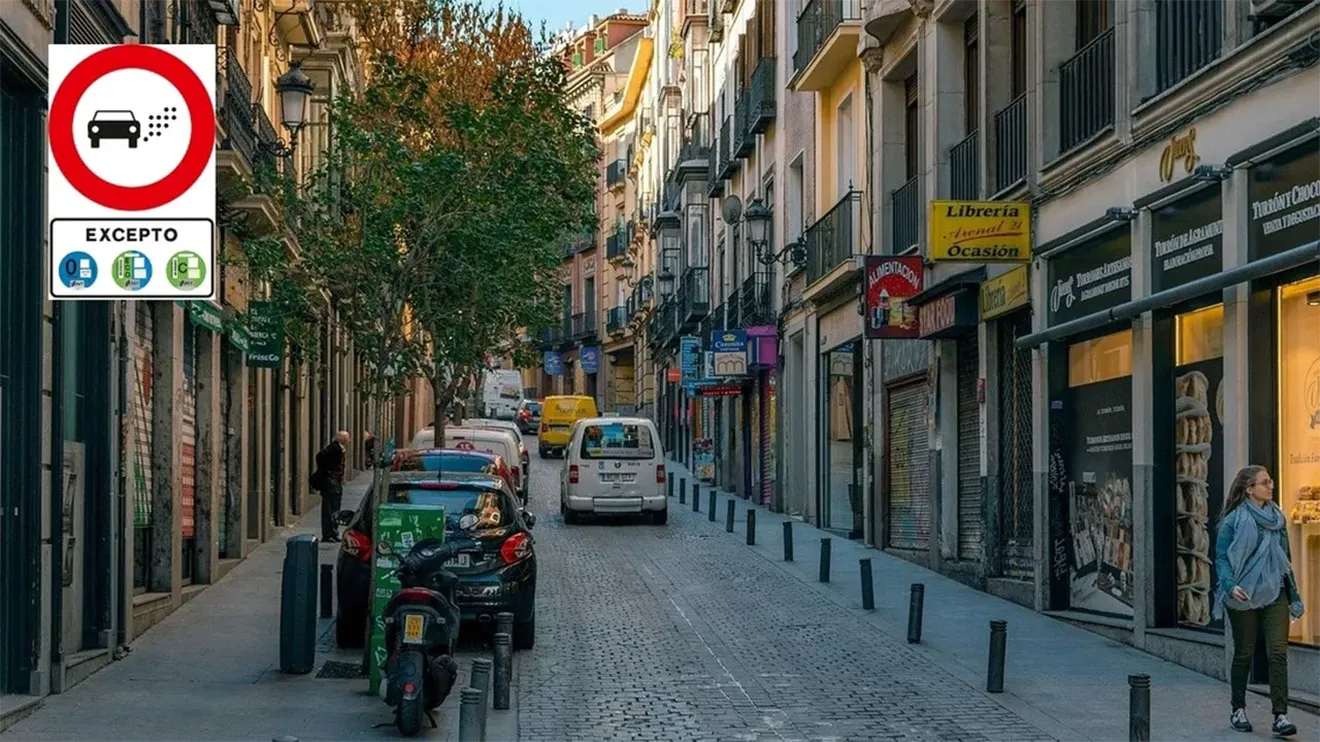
(298, 605)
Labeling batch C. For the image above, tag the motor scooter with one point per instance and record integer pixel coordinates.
(421, 632)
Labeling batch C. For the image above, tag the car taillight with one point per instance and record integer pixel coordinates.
(544, 427)
(524, 414)
(572, 473)
(516, 548)
(660, 474)
(356, 545)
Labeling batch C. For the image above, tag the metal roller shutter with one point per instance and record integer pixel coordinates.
(971, 523)
(909, 467)
(221, 517)
(1015, 489)
(188, 446)
(143, 370)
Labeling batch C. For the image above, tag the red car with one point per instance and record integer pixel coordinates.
(453, 461)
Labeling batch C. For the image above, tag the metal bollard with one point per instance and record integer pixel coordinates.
(824, 560)
(994, 674)
(728, 517)
(868, 586)
(504, 623)
(788, 540)
(915, 606)
(670, 479)
(696, 497)
(503, 670)
(710, 506)
(682, 490)
(751, 527)
(480, 679)
(327, 590)
(469, 715)
(1138, 708)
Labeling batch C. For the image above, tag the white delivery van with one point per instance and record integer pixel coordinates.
(501, 393)
(614, 466)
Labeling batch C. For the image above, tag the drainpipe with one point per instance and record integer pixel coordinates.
(124, 581)
(57, 441)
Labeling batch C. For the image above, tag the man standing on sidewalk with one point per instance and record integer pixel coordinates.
(332, 461)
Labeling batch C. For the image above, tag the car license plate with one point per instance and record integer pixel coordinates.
(413, 625)
(618, 477)
(460, 561)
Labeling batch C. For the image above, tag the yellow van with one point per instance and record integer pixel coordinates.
(557, 417)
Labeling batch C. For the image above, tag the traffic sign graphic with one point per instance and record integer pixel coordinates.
(132, 169)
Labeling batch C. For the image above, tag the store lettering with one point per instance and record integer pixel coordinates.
(894, 267)
(985, 252)
(1179, 149)
(937, 315)
(1062, 294)
(1297, 196)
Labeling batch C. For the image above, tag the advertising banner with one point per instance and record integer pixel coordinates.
(1098, 460)
(890, 283)
(729, 348)
(1003, 294)
(703, 455)
(980, 231)
(400, 526)
(589, 355)
(266, 328)
(554, 363)
(690, 361)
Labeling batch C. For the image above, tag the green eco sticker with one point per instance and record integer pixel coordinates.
(186, 270)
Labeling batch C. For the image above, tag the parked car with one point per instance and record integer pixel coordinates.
(498, 574)
(529, 416)
(614, 466)
(557, 417)
(512, 427)
(455, 461)
(505, 443)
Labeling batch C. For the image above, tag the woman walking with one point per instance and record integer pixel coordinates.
(1253, 566)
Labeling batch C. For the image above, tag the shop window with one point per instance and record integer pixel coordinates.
(1298, 478)
(1200, 335)
(841, 507)
(1102, 359)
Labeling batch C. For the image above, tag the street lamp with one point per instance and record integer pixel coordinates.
(758, 218)
(294, 88)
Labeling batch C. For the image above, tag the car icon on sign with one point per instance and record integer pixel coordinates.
(113, 125)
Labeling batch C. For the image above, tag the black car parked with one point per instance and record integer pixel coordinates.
(529, 416)
(498, 574)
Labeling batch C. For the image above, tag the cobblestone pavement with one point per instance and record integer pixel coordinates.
(677, 632)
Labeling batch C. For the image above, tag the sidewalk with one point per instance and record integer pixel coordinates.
(1069, 682)
(210, 671)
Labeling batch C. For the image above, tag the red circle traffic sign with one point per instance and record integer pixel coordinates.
(201, 144)
(465, 446)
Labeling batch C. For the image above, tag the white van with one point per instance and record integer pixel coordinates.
(614, 466)
(485, 440)
(502, 393)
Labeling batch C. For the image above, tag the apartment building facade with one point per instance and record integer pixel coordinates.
(150, 446)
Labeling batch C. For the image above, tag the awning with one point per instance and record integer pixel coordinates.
(1283, 261)
(204, 314)
(973, 277)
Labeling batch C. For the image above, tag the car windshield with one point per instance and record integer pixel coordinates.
(465, 509)
(617, 441)
(534, 407)
(113, 116)
(459, 463)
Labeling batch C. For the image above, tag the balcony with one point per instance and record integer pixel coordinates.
(695, 152)
(296, 22)
(964, 175)
(556, 337)
(755, 306)
(1189, 34)
(906, 216)
(584, 326)
(238, 138)
(639, 300)
(663, 328)
(694, 296)
(616, 244)
(616, 173)
(695, 11)
(1086, 92)
(1011, 144)
(828, 33)
(728, 163)
(761, 97)
(580, 243)
(744, 142)
(616, 321)
(715, 183)
(834, 238)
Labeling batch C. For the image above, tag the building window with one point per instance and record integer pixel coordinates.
(845, 148)
(1297, 488)
(1188, 36)
(1018, 31)
(911, 127)
(1094, 17)
(971, 76)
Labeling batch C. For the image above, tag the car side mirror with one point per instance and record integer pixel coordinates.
(529, 519)
(343, 517)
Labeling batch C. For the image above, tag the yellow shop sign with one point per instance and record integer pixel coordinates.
(1003, 294)
(980, 232)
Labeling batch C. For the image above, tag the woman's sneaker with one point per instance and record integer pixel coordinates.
(1283, 727)
(1239, 720)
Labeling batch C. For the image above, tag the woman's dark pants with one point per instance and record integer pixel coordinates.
(1272, 620)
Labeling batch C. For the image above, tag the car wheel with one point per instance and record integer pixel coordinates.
(524, 634)
(350, 629)
(542, 452)
(660, 518)
(571, 517)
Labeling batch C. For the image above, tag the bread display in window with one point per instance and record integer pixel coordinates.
(1193, 436)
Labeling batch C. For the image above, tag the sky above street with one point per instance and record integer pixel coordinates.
(557, 13)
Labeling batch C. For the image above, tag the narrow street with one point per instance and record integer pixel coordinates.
(680, 632)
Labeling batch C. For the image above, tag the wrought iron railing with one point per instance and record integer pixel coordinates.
(761, 96)
(696, 139)
(1189, 36)
(964, 170)
(728, 164)
(236, 105)
(834, 238)
(755, 305)
(616, 244)
(1011, 144)
(200, 25)
(616, 320)
(817, 22)
(615, 173)
(694, 294)
(1086, 92)
(268, 142)
(584, 325)
(906, 215)
(744, 142)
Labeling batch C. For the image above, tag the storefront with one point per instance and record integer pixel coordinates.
(1006, 312)
(1091, 419)
(842, 423)
(762, 361)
